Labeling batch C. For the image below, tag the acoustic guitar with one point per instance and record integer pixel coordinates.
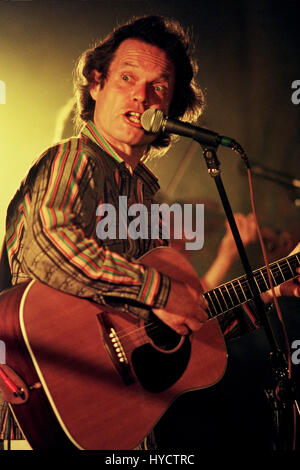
(82, 376)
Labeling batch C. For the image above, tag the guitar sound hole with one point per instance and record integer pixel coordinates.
(162, 336)
(156, 370)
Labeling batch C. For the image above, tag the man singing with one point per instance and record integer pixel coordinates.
(51, 222)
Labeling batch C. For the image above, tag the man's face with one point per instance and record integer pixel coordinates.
(140, 76)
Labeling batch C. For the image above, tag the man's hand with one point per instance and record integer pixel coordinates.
(290, 288)
(185, 309)
(247, 230)
(227, 252)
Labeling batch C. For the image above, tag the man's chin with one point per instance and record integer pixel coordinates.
(140, 138)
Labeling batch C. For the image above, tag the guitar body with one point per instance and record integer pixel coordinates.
(35, 415)
(98, 378)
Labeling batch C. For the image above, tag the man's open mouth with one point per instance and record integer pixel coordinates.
(134, 117)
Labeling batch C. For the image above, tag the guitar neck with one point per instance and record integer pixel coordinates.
(236, 292)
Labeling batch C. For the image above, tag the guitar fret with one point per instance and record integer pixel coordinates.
(234, 295)
(218, 302)
(225, 285)
(217, 299)
(295, 260)
(263, 278)
(287, 262)
(272, 275)
(280, 271)
(257, 285)
(242, 289)
(236, 292)
(227, 308)
(247, 289)
(278, 274)
(220, 298)
(212, 303)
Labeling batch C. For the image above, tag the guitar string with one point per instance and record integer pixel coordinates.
(244, 282)
(131, 330)
(218, 302)
(235, 287)
(262, 282)
(152, 326)
(276, 271)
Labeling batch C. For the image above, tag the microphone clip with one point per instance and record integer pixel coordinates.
(212, 162)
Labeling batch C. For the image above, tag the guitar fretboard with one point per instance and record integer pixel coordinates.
(236, 292)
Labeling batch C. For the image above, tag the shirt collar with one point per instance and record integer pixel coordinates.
(141, 170)
(91, 131)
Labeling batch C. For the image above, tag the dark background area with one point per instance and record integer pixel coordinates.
(248, 55)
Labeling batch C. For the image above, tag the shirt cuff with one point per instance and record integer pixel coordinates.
(155, 289)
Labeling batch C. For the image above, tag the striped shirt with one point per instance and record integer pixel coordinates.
(51, 232)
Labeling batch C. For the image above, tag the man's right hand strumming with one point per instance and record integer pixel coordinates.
(185, 309)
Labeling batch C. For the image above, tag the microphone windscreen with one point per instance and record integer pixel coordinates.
(152, 120)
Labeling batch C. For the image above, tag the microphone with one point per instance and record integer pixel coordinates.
(154, 121)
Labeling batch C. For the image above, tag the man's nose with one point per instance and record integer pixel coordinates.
(140, 93)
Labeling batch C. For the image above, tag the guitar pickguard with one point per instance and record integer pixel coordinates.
(156, 370)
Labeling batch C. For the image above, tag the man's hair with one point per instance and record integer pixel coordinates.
(166, 34)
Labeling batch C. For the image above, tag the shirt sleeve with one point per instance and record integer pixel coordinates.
(60, 248)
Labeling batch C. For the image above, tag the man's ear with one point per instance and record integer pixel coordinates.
(95, 77)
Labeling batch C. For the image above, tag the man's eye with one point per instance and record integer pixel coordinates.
(126, 78)
(159, 88)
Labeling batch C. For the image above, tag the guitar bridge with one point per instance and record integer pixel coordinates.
(115, 349)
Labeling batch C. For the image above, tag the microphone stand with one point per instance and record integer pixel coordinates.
(281, 398)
